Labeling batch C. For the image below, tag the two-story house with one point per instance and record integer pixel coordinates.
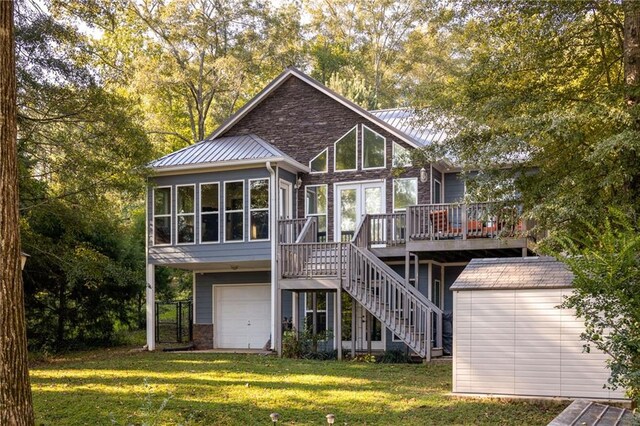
(304, 209)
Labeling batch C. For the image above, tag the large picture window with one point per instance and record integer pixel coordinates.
(405, 193)
(316, 205)
(209, 213)
(234, 211)
(374, 147)
(346, 151)
(162, 216)
(318, 164)
(186, 213)
(259, 209)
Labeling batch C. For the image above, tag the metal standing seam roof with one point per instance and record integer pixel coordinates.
(514, 273)
(225, 149)
(411, 123)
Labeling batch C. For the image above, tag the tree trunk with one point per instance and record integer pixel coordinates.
(15, 391)
(631, 48)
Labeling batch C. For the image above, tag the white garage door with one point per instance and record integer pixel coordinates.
(242, 316)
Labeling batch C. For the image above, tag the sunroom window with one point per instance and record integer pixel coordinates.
(234, 211)
(259, 209)
(316, 206)
(209, 213)
(186, 213)
(401, 156)
(319, 163)
(374, 146)
(405, 193)
(346, 152)
(162, 216)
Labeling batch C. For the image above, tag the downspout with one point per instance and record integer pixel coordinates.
(273, 216)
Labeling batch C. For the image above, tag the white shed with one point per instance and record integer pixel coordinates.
(510, 337)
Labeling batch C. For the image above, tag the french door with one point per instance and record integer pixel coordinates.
(352, 202)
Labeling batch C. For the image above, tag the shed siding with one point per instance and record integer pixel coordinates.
(516, 342)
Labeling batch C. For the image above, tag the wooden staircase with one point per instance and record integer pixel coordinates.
(386, 295)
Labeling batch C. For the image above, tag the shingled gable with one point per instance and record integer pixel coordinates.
(292, 72)
(514, 273)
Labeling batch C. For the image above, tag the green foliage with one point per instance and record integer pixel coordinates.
(605, 261)
(395, 357)
(366, 358)
(536, 86)
(305, 345)
(82, 154)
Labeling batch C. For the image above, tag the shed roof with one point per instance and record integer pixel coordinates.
(245, 149)
(584, 412)
(514, 273)
(409, 121)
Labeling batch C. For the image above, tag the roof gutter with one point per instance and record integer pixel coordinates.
(220, 164)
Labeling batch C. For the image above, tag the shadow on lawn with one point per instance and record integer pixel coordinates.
(213, 391)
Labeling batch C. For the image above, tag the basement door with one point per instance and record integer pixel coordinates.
(352, 202)
(242, 316)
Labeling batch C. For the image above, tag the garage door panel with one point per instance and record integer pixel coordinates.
(242, 316)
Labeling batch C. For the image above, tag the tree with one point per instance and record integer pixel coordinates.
(606, 268)
(15, 391)
(361, 40)
(539, 86)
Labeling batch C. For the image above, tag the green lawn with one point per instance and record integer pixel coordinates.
(128, 387)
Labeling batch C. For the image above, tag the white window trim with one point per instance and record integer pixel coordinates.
(194, 214)
(384, 166)
(268, 209)
(326, 162)
(326, 203)
(393, 192)
(225, 211)
(433, 191)
(200, 212)
(335, 151)
(153, 216)
(325, 311)
(393, 155)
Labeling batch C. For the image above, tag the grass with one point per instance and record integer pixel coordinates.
(119, 386)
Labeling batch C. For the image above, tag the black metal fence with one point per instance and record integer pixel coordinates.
(174, 321)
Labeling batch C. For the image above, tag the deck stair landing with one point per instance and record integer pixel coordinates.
(385, 294)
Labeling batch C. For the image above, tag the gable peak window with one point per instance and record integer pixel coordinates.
(401, 156)
(319, 163)
(374, 147)
(346, 151)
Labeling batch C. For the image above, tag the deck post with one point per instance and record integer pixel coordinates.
(294, 312)
(151, 307)
(338, 321)
(314, 320)
(278, 330)
(354, 327)
(368, 327)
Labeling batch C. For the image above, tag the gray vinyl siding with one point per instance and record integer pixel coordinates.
(436, 175)
(209, 252)
(453, 188)
(451, 273)
(204, 282)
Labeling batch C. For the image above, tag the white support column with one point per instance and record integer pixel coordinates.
(430, 280)
(151, 307)
(338, 322)
(295, 321)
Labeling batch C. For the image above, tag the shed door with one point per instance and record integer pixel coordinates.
(242, 316)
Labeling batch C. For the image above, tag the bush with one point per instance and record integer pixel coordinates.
(305, 345)
(395, 357)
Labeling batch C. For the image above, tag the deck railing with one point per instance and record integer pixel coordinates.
(464, 220)
(312, 260)
(289, 229)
